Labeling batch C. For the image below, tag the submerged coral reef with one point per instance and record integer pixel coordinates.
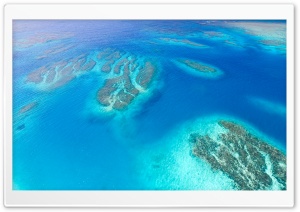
(28, 107)
(269, 36)
(125, 75)
(58, 74)
(41, 38)
(56, 50)
(130, 78)
(198, 66)
(252, 163)
(184, 42)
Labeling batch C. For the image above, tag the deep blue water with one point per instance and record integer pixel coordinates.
(66, 146)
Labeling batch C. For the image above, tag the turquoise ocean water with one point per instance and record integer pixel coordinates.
(67, 142)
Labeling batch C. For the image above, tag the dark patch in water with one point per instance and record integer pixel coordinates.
(155, 166)
(21, 127)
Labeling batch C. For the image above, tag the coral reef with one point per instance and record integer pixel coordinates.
(58, 74)
(185, 42)
(55, 50)
(40, 38)
(129, 79)
(28, 107)
(197, 66)
(252, 163)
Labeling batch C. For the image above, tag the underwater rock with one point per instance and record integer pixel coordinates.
(252, 163)
(80, 62)
(270, 36)
(119, 92)
(114, 56)
(88, 66)
(197, 66)
(60, 65)
(59, 73)
(51, 75)
(28, 107)
(110, 57)
(62, 81)
(103, 54)
(37, 75)
(145, 75)
(231, 42)
(273, 42)
(56, 50)
(67, 70)
(107, 65)
(120, 64)
(21, 127)
(219, 36)
(213, 33)
(40, 39)
(183, 42)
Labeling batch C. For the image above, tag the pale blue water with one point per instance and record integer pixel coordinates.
(65, 145)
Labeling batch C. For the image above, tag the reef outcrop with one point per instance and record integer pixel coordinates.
(58, 74)
(28, 107)
(130, 78)
(184, 42)
(249, 161)
(198, 66)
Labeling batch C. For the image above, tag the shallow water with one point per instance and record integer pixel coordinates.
(71, 142)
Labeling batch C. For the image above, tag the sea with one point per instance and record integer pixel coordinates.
(67, 141)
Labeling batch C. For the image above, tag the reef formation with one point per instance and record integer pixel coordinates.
(41, 38)
(269, 36)
(58, 74)
(130, 77)
(56, 50)
(249, 161)
(28, 107)
(198, 66)
(125, 75)
(184, 42)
